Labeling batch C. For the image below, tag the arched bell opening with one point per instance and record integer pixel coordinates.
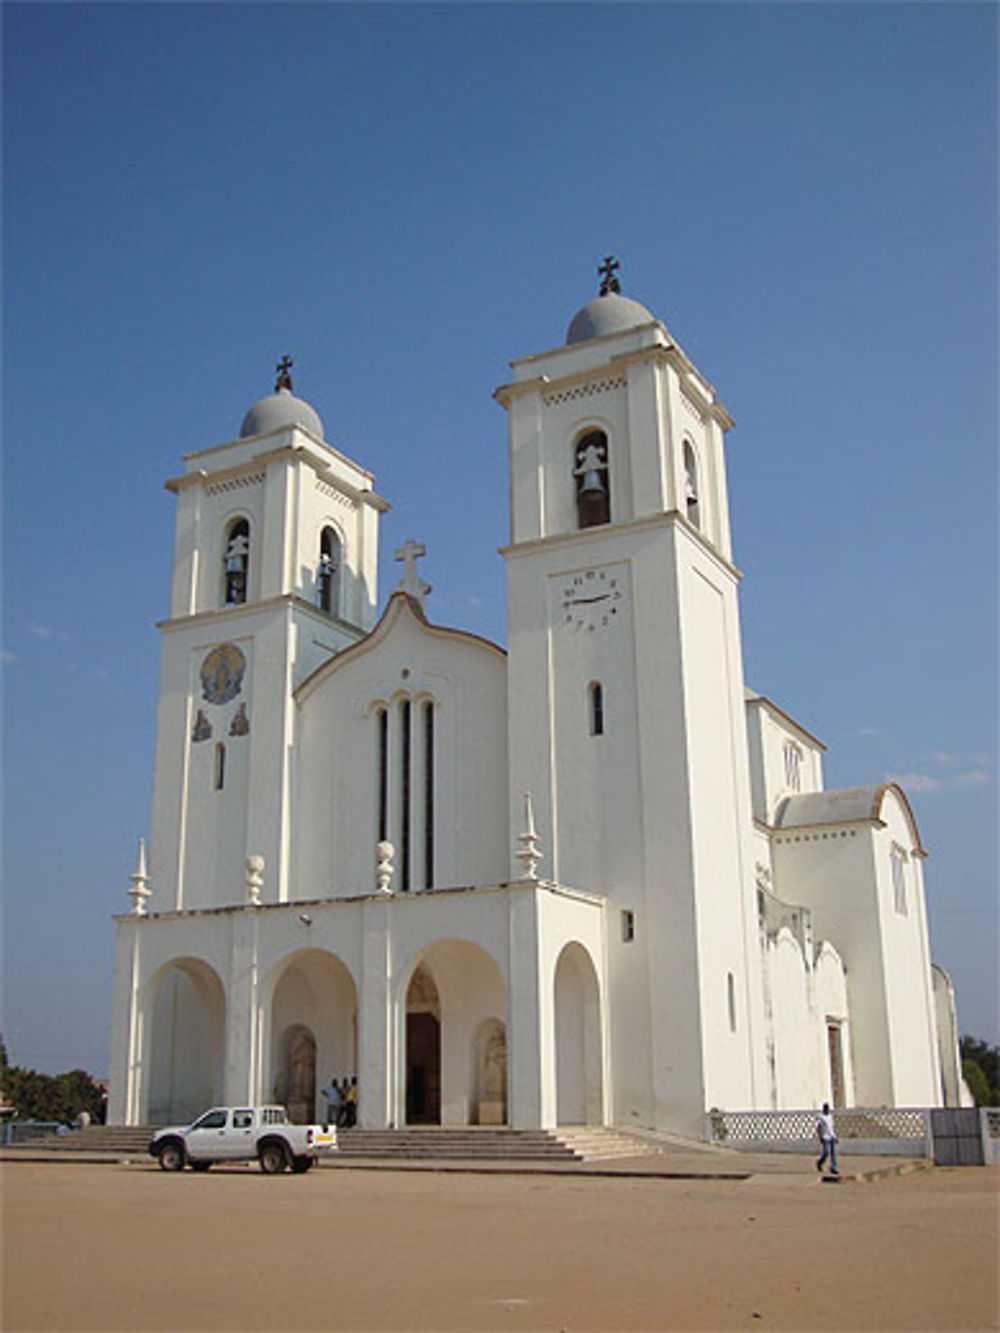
(591, 472)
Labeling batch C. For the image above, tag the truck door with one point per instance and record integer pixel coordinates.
(206, 1139)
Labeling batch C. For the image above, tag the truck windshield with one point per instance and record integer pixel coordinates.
(211, 1120)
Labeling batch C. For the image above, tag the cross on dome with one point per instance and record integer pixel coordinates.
(284, 380)
(606, 272)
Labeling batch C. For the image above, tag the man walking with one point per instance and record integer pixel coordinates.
(828, 1138)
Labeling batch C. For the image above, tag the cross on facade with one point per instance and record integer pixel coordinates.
(284, 380)
(411, 582)
(606, 272)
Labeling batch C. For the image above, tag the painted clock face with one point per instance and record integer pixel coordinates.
(222, 673)
(591, 600)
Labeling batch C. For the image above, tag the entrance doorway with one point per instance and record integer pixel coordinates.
(423, 1050)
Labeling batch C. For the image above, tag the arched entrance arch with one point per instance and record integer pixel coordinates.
(579, 1075)
(453, 1006)
(312, 1031)
(185, 1048)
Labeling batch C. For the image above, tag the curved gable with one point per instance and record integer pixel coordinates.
(401, 608)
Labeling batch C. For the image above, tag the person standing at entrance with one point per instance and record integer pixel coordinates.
(352, 1102)
(828, 1138)
(332, 1094)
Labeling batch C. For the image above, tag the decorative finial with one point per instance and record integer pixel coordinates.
(606, 271)
(385, 854)
(284, 380)
(410, 552)
(528, 849)
(255, 879)
(140, 889)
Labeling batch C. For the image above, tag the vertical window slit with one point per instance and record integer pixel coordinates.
(596, 693)
(382, 769)
(428, 795)
(220, 766)
(405, 786)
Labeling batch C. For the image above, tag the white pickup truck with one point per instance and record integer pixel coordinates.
(239, 1134)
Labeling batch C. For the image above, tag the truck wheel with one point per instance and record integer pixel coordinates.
(300, 1165)
(171, 1157)
(273, 1159)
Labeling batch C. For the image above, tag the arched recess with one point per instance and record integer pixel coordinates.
(579, 1076)
(310, 1031)
(186, 1045)
(458, 986)
(236, 561)
(328, 570)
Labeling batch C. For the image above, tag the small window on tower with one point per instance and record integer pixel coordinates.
(220, 766)
(328, 573)
(592, 475)
(628, 925)
(692, 506)
(595, 693)
(236, 562)
(793, 766)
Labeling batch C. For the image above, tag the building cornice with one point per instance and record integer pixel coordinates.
(669, 518)
(693, 385)
(771, 706)
(232, 614)
(298, 452)
(297, 905)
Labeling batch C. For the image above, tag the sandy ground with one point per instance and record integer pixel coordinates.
(130, 1248)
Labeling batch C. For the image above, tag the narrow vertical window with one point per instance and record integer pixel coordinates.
(628, 925)
(236, 563)
(328, 573)
(404, 793)
(898, 857)
(595, 697)
(692, 506)
(793, 766)
(592, 476)
(428, 712)
(220, 766)
(382, 771)
(731, 1000)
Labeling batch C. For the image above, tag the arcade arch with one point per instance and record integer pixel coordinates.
(454, 1037)
(579, 1074)
(312, 1031)
(186, 1041)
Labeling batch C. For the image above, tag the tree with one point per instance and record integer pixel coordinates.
(981, 1070)
(60, 1097)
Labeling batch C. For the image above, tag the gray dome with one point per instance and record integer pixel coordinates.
(606, 314)
(278, 411)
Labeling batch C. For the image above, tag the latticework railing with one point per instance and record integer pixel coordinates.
(786, 1126)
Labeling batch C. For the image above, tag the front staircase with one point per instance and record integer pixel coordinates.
(423, 1143)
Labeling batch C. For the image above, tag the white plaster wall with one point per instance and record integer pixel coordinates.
(908, 982)
(768, 732)
(832, 872)
(794, 1023)
(831, 1005)
(336, 757)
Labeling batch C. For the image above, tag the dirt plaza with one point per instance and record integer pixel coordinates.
(126, 1247)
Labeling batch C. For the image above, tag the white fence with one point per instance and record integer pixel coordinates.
(950, 1138)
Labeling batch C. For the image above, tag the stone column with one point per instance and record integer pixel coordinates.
(375, 1039)
(526, 1045)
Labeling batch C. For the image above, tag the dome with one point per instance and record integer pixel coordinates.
(611, 313)
(278, 411)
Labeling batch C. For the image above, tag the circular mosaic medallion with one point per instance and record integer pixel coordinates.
(222, 673)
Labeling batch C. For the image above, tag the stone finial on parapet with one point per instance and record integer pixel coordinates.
(139, 880)
(528, 844)
(385, 854)
(255, 879)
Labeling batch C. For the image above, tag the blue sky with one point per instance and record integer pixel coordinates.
(406, 197)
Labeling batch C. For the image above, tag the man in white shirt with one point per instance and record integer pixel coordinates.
(828, 1138)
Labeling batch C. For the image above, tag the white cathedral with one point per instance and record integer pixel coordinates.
(591, 878)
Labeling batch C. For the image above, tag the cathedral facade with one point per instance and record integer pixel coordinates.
(589, 879)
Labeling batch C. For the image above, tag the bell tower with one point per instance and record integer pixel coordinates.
(626, 694)
(274, 571)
